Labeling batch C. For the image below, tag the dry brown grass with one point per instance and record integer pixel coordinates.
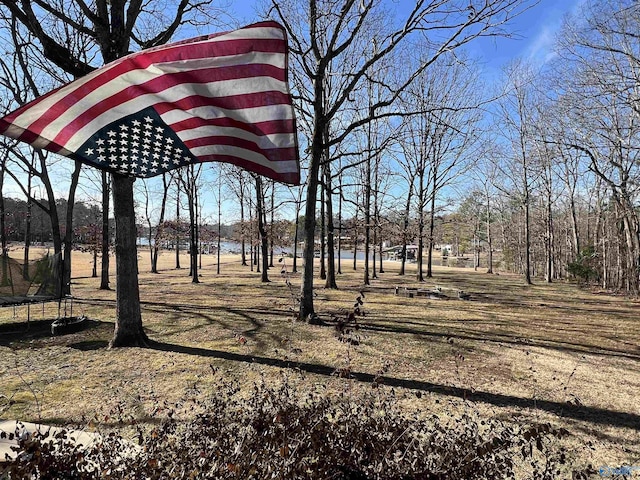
(549, 353)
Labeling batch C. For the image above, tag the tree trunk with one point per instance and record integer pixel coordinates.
(323, 232)
(104, 270)
(574, 227)
(331, 265)
(367, 211)
(355, 241)
(3, 232)
(381, 248)
(193, 233)
(422, 202)
(307, 312)
(27, 230)
(549, 241)
(271, 235)
(190, 184)
(220, 222)
(252, 258)
(489, 239)
(405, 231)
(527, 243)
(631, 244)
(295, 240)
(256, 248)
(376, 213)
(420, 271)
(476, 243)
(432, 226)
(68, 234)
(178, 225)
(128, 330)
(158, 235)
(340, 224)
(374, 243)
(264, 241)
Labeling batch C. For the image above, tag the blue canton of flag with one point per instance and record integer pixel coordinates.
(141, 145)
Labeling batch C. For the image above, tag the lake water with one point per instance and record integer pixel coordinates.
(234, 247)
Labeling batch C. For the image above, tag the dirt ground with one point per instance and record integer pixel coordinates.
(543, 353)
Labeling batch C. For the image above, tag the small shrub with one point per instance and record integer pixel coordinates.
(277, 432)
(585, 266)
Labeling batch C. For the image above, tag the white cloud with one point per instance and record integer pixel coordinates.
(540, 48)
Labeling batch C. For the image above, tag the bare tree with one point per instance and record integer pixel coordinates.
(326, 34)
(296, 193)
(236, 181)
(440, 141)
(516, 125)
(547, 158)
(601, 50)
(485, 173)
(190, 181)
(155, 223)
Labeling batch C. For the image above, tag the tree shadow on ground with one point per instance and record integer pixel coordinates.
(495, 337)
(89, 345)
(564, 410)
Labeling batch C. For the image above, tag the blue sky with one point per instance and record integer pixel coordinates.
(534, 33)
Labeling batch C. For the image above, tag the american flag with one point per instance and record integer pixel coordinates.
(222, 97)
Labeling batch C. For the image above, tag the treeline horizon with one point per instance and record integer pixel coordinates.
(464, 230)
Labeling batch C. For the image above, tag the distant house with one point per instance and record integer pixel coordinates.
(395, 253)
(445, 248)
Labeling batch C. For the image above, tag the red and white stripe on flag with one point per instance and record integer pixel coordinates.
(222, 97)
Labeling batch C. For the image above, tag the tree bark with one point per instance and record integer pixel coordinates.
(331, 264)
(307, 312)
(527, 242)
(405, 230)
(178, 225)
(323, 232)
(264, 240)
(421, 203)
(190, 182)
(104, 271)
(340, 226)
(271, 233)
(320, 122)
(27, 230)
(489, 238)
(355, 240)
(432, 226)
(243, 246)
(193, 238)
(367, 210)
(3, 231)
(68, 234)
(549, 240)
(128, 330)
(163, 206)
(295, 240)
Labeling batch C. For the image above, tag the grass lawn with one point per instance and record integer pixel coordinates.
(543, 353)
